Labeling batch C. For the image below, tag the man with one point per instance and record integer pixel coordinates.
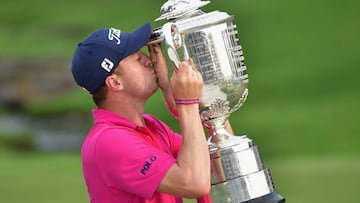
(129, 156)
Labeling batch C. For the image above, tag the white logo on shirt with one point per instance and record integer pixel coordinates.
(114, 34)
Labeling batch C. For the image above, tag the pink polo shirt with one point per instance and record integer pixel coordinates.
(124, 162)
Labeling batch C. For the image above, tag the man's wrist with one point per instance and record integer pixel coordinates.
(187, 101)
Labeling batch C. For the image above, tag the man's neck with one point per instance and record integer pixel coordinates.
(133, 111)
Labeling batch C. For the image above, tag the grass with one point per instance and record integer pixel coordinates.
(52, 29)
(317, 179)
(41, 178)
(58, 178)
(302, 109)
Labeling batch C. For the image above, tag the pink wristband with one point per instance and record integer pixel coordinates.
(187, 101)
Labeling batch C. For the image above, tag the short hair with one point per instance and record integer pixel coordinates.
(100, 95)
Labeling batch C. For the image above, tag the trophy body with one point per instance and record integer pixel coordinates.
(210, 39)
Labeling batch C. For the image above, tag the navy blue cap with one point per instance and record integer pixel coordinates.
(100, 53)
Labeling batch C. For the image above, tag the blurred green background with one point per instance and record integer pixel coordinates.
(302, 110)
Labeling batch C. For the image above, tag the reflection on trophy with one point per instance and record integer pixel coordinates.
(210, 39)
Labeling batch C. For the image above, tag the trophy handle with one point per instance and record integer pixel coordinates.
(174, 40)
(170, 39)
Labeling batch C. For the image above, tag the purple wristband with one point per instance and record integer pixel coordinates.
(187, 101)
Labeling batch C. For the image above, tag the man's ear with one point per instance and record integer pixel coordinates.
(113, 82)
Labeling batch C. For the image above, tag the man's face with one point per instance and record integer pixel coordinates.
(137, 75)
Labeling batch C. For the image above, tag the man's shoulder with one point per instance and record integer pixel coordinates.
(109, 132)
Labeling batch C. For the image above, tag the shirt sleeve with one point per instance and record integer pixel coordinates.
(128, 163)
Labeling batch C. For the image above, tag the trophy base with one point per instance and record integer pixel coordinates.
(238, 174)
(273, 197)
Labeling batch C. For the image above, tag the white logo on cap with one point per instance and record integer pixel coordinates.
(114, 34)
(107, 65)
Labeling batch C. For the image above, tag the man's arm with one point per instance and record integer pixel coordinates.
(228, 127)
(190, 176)
(161, 70)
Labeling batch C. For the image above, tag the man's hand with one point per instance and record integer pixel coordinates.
(187, 82)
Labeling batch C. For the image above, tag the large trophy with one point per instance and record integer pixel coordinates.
(210, 39)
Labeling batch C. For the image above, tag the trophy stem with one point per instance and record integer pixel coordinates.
(217, 129)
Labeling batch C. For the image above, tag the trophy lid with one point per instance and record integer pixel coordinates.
(173, 9)
(204, 20)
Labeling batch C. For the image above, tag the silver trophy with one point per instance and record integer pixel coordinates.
(210, 39)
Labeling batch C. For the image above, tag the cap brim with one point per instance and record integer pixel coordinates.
(138, 38)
